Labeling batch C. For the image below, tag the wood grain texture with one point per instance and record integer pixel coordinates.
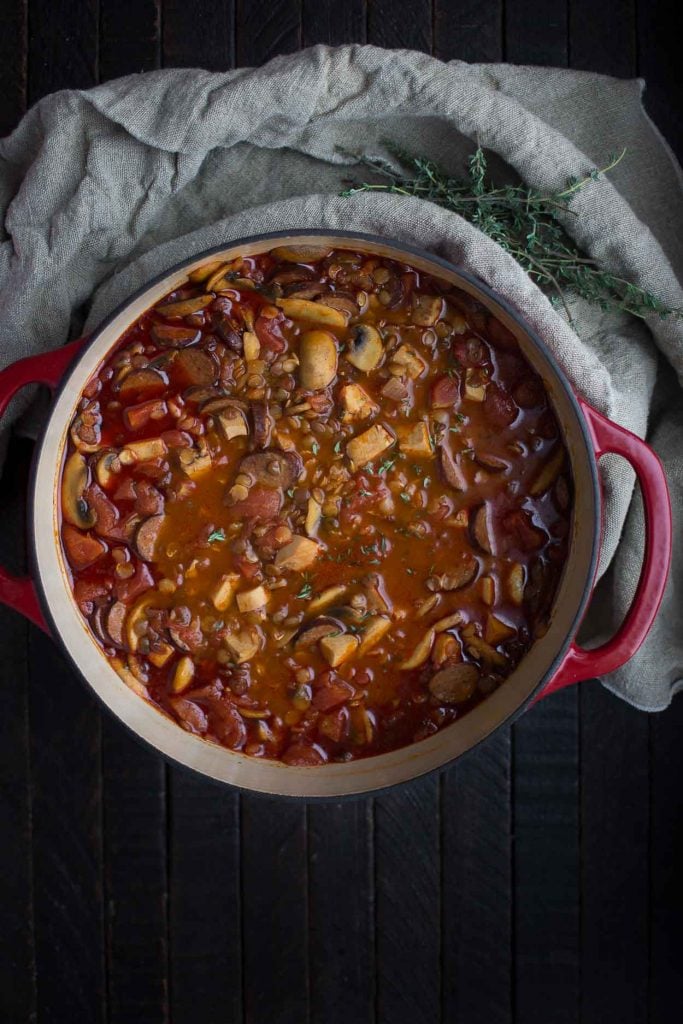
(602, 37)
(135, 878)
(204, 901)
(468, 30)
(666, 857)
(341, 919)
(129, 37)
(67, 839)
(13, 63)
(266, 29)
(62, 46)
(476, 917)
(200, 34)
(275, 910)
(546, 868)
(401, 24)
(536, 32)
(408, 903)
(614, 848)
(17, 973)
(334, 23)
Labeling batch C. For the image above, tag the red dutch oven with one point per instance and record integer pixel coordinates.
(555, 660)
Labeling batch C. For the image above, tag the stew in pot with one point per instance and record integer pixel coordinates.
(315, 505)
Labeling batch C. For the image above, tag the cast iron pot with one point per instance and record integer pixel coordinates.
(555, 660)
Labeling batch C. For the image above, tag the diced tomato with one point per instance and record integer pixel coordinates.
(83, 549)
(247, 568)
(335, 725)
(470, 351)
(192, 717)
(125, 491)
(444, 392)
(148, 500)
(138, 583)
(86, 593)
(105, 510)
(269, 333)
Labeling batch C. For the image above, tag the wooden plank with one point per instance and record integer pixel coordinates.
(274, 910)
(199, 34)
(401, 24)
(135, 878)
(546, 868)
(468, 30)
(477, 886)
(67, 838)
(602, 37)
(204, 901)
(129, 37)
(666, 857)
(16, 935)
(334, 23)
(408, 903)
(614, 854)
(341, 871)
(62, 47)
(13, 64)
(266, 28)
(536, 32)
(659, 63)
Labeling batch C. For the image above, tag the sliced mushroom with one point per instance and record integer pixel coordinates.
(106, 468)
(85, 432)
(169, 336)
(147, 536)
(75, 508)
(488, 590)
(460, 575)
(475, 384)
(243, 646)
(273, 468)
(482, 529)
(421, 652)
(515, 583)
(185, 307)
(251, 346)
(478, 648)
(223, 591)
(123, 671)
(311, 632)
(160, 653)
(312, 312)
(496, 631)
(454, 684)
(448, 622)
(263, 422)
(252, 600)
(300, 253)
(231, 421)
(298, 555)
(327, 598)
(451, 471)
(318, 360)
(344, 303)
(313, 517)
(426, 309)
(143, 382)
(204, 272)
(136, 615)
(491, 462)
(375, 628)
(548, 472)
(364, 349)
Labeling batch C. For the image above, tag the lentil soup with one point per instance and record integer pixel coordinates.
(315, 505)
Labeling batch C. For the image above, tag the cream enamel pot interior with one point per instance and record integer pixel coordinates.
(554, 660)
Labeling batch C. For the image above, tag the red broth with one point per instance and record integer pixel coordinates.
(315, 505)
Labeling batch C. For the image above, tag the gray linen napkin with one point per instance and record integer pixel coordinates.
(102, 189)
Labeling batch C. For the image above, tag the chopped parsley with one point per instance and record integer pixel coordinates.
(217, 535)
(306, 592)
(315, 447)
(386, 465)
(337, 446)
(404, 497)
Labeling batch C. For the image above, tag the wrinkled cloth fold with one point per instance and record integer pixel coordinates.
(100, 190)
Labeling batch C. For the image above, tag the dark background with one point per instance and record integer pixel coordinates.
(539, 880)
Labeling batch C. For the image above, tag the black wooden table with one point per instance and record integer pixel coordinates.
(539, 881)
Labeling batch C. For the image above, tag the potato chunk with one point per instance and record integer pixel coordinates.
(357, 403)
(251, 600)
(406, 360)
(375, 628)
(244, 645)
(369, 445)
(414, 439)
(299, 554)
(223, 592)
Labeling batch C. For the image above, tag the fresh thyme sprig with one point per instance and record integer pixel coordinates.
(524, 222)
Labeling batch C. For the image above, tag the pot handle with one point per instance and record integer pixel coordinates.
(579, 663)
(46, 368)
